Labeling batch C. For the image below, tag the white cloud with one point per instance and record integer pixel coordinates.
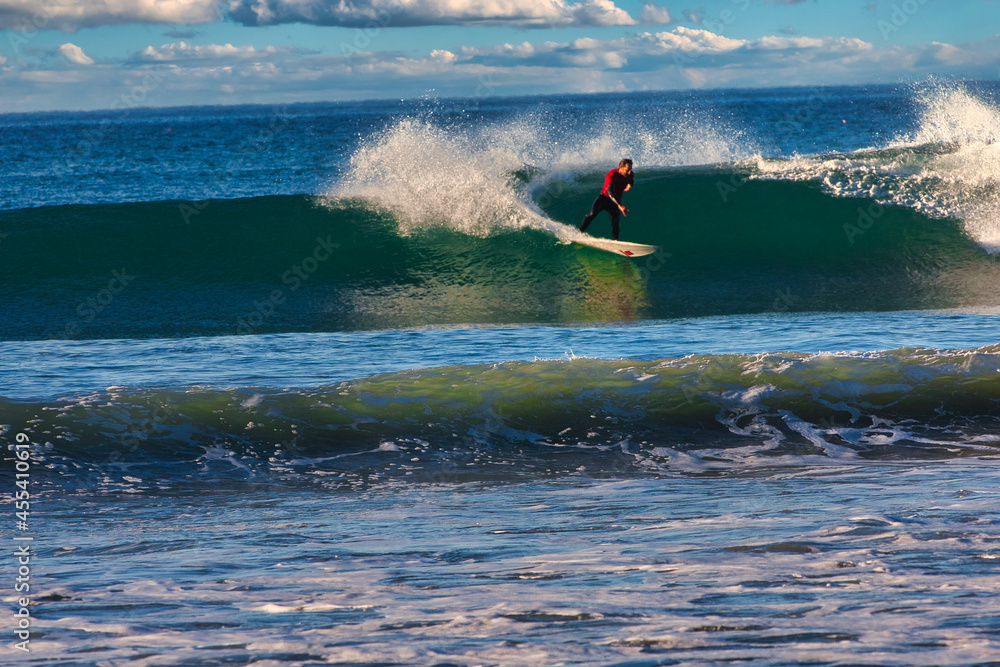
(183, 50)
(687, 40)
(944, 53)
(685, 47)
(184, 73)
(829, 45)
(397, 13)
(27, 16)
(74, 54)
(71, 15)
(442, 56)
(653, 14)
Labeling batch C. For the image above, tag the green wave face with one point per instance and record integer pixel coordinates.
(727, 414)
(293, 263)
(266, 265)
(737, 246)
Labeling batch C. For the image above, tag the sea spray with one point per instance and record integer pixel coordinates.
(478, 178)
(946, 166)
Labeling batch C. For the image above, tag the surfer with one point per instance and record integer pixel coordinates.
(616, 183)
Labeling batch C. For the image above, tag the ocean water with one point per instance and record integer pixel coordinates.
(332, 384)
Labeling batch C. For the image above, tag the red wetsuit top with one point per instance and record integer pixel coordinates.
(614, 184)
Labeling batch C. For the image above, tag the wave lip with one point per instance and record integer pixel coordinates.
(478, 179)
(947, 167)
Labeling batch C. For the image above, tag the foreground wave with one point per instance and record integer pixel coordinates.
(699, 414)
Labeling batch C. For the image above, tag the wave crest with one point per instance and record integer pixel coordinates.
(714, 413)
(479, 178)
(948, 166)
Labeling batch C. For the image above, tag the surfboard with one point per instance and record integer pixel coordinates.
(618, 247)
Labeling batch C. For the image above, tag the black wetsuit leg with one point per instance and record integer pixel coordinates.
(603, 203)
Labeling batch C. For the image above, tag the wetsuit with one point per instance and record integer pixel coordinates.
(614, 185)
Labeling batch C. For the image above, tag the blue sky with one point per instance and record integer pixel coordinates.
(92, 54)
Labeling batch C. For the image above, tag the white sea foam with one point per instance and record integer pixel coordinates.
(479, 178)
(890, 561)
(948, 166)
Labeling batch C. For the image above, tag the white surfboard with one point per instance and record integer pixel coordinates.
(618, 247)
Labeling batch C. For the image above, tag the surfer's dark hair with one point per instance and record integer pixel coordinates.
(625, 161)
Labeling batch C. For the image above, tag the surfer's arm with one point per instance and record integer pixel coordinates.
(618, 204)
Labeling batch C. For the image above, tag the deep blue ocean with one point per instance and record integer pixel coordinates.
(332, 383)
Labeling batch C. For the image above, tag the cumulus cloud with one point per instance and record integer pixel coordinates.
(396, 13)
(683, 57)
(443, 56)
(655, 15)
(71, 15)
(74, 54)
(684, 46)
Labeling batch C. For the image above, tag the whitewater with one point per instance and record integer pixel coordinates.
(332, 384)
